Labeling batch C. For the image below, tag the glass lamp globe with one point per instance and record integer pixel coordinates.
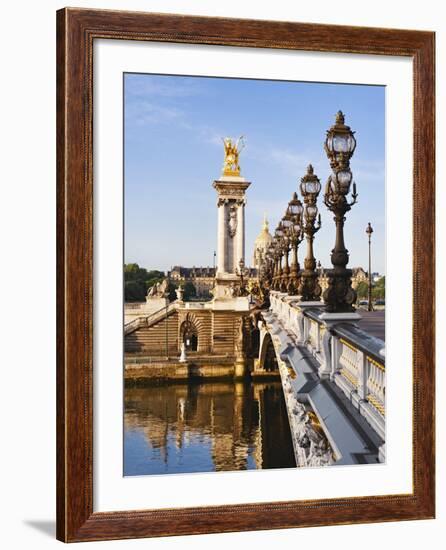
(340, 182)
(310, 211)
(311, 187)
(294, 206)
(287, 219)
(344, 178)
(340, 139)
(343, 143)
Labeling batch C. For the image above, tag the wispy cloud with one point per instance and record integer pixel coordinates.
(161, 86)
(295, 163)
(157, 100)
(273, 209)
(146, 112)
(211, 136)
(368, 169)
(289, 160)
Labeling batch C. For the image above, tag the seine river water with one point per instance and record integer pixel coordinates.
(206, 427)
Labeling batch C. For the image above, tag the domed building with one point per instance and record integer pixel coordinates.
(261, 244)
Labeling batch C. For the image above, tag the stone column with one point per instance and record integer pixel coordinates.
(326, 368)
(361, 362)
(240, 235)
(221, 247)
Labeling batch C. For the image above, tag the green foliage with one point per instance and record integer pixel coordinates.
(189, 291)
(362, 290)
(137, 280)
(379, 289)
(171, 287)
(134, 291)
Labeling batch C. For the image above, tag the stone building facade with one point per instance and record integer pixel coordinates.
(203, 278)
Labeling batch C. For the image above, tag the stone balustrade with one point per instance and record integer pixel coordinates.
(134, 305)
(146, 317)
(347, 356)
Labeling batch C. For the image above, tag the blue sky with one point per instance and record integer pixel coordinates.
(173, 153)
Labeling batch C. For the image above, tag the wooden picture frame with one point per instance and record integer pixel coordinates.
(76, 31)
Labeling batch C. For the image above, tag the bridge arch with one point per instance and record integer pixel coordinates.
(255, 341)
(267, 355)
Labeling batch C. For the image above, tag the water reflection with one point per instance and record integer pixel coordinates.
(207, 427)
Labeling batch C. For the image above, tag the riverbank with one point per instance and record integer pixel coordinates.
(140, 370)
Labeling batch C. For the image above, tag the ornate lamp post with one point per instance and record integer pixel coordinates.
(339, 146)
(270, 256)
(285, 242)
(278, 267)
(279, 248)
(310, 186)
(265, 276)
(274, 259)
(293, 218)
(369, 231)
(242, 272)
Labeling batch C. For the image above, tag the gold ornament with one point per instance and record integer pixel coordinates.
(231, 165)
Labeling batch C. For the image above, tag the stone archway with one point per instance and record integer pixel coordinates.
(267, 356)
(189, 333)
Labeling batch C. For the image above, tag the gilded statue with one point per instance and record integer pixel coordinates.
(231, 165)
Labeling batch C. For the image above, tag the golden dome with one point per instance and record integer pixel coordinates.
(265, 236)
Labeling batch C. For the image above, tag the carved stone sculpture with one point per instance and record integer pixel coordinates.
(183, 357)
(313, 447)
(232, 220)
(158, 290)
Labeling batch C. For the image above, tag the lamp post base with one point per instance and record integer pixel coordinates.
(309, 288)
(339, 296)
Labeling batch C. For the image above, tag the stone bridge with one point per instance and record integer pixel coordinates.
(332, 370)
(333, 377)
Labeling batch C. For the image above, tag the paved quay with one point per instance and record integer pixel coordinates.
(373, 322)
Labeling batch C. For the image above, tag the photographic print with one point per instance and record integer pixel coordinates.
(234, 198)
(254, 274)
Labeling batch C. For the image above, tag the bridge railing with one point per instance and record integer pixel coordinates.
(345, 354)
(361, 369)
(146, 320)
(134, 305)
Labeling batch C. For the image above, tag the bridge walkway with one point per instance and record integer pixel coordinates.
(352, 440)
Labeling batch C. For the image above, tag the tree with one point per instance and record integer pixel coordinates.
(362, 289)
(379, 289)
(137, 280)
(189, 291)
(171, 288)
(134, 291)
